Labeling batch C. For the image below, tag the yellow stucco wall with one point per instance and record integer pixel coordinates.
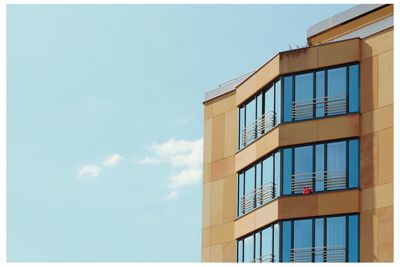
(374, 126)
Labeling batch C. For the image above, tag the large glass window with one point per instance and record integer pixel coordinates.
(260, 114)
(320, 93)
(319, 239)
(301, 169)
(260, 246)
(257, 184)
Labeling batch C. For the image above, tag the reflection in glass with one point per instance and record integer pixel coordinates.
(336, 90)
(319, 239)
(278, 101)
(353, 238)
(353, 88)
(304, 94)
(320, 93)
(287, 98)
(336, 165)
(249, 249)
(277, 176)
(354, 163)
(319, 167)
(267, 242)
(286, 241)
(287, 171)
(302, 239)
(240, 251)
(336, 238)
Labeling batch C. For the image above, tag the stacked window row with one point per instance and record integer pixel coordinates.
(319, 239)
(302, 169)
(307, 95)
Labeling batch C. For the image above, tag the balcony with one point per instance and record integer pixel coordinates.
(318, 254)
(259, 127)
(319, 181)
(319, 107)
(256, 198)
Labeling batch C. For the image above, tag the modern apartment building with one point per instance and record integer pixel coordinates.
(298, 155)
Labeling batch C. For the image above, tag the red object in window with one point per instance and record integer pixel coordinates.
(306, 191)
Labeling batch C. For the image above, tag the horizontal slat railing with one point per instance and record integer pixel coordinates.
(260, 126)
(330, 105)
(257, 197)
(331, 180)
(327, 254)
(265, 258)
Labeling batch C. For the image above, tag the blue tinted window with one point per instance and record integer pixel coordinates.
(276, 242)
(302, 239)
(259, 114)
(278, 101)
(287, 171)
(319, 239)
(257, 245)
(353, 164)
(287, 98)
(269, 108)
(319, 167)
(267, 242)
(277, 176)
(240, 251)
(303, 167)
(258, 175)
(353, 88)
(250, 112)
(304, 94)
(336, 91)
(336, 238)
(336, 165)
(320, 93)
(249, 249)
(249, 182)
(240, 192)
(241, 126)
(353, 238)
(286, 240)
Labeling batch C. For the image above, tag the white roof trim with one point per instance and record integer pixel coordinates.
(340, 18)
(368, 30)
(226, 87)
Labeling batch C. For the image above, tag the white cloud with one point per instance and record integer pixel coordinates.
(147, 160)
(172, 195)
(90, 171)
(185, 159)
(112, 160)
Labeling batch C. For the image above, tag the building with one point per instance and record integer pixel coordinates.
(298, 155)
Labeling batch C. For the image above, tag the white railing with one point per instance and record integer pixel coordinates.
(326, 254)
(330, 105)
(265, 258)
(330, 180)
(260, 126)
(257, 197)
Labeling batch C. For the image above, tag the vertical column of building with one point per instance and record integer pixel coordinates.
(219, 182)
(376, 147)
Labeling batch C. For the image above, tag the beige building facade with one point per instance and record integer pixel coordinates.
(298, 155)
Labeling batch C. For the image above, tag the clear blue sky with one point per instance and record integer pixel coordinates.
(104, 120)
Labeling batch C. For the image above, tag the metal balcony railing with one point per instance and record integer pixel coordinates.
(260, 126)
(328, 105)
(257, 197)
(265, 258)
(326, 254)
(329, 180)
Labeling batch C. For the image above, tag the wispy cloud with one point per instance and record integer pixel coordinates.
(185, 159)
(112, 160)
(92, 171)
(89, 171)
(171, 195)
